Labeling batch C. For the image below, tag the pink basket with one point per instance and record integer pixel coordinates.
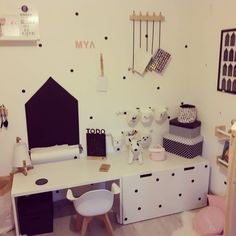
(157, 153)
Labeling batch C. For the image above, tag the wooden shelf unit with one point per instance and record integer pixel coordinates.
(222, 135)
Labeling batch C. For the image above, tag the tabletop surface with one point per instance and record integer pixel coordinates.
(72, 173)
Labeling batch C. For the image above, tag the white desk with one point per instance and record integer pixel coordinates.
(73, 173)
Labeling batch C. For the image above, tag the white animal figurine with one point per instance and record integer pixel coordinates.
(147, 116)
(133, 117)
(135, 151)
(145, 140)
(130, 134)
(161, 114)
(118, 142)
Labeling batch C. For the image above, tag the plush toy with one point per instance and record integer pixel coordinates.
(145, 140)
(130, 134)
(118, 142)
(133, 117)
(135, 151)
(147, 116)
(210, 219)
(161, 114)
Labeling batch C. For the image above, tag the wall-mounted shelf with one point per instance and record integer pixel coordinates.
(221, 133)
(222, 162)
(223, 136)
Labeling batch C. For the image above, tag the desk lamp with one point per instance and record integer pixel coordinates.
(21, 158)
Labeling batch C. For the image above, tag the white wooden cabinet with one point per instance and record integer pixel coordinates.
(163, 192)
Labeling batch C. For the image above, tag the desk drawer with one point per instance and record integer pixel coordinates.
(35, 213)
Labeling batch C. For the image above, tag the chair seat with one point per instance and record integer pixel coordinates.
(93, 203)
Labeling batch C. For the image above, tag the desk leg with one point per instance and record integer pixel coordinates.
(14, 208)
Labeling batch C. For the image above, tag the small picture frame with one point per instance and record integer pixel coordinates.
(225, 153)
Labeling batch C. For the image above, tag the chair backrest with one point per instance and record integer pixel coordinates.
(97, 194)
(70, 196)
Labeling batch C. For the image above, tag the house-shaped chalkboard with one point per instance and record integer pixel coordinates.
(52, 117)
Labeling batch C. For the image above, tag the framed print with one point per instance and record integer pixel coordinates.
(227, 62)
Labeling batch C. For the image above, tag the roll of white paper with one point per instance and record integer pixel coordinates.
(54, 153)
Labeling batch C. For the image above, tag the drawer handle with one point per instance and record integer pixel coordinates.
(189, 168)
(146, 175)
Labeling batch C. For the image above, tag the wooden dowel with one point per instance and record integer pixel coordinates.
(141, 17)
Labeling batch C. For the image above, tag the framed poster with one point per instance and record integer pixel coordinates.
(20, 23)
(227, 62)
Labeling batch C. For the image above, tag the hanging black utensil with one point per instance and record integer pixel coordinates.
(1, 120)
(5, 123)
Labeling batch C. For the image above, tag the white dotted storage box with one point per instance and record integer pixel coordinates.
(187, 113)
(187, 130)
(185, 147)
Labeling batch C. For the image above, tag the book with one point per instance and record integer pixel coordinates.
(225, 153)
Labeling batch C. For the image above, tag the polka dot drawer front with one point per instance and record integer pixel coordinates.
(184, 147)
(164, 192)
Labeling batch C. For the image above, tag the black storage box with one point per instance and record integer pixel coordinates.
(184, 147)
(35, 213)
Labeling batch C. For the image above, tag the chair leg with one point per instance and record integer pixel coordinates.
(86, 221)
(107, 222)
(79, 220)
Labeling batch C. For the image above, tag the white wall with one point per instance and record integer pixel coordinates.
(190, 77)
(215, 108)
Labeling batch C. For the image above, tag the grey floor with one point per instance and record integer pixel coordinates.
(64, 225)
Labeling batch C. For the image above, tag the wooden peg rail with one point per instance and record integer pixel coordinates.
(147, 17)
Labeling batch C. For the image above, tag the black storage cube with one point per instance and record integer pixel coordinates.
(35, 213)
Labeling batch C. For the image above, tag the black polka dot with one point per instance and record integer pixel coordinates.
(186, 46)
(158, 87)
(146, 35)
(173, 174)
(40, 45)
(157, 179)
(106, 38)
(71, 70)
(23, 90)
(136, 190)
(91, 117)
(160, 206)
(180, 194)
(139, 208)
(126, 219)
(124, 77)
(77, 13)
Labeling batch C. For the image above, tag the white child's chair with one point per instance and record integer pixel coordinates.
(94, 203)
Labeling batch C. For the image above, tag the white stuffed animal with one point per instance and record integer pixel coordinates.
(130, 134)
(161, 114)
(147, 116)
(133, 117)
(145, 140)
(118, 142)
(135, 151)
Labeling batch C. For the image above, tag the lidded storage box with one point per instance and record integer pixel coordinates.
(185, 147)
(188, 130)
(184, 139)
(187, 113)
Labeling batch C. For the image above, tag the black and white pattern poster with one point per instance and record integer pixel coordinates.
(227, 62)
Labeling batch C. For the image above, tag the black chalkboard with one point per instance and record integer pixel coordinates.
(52, 116)
(96, 142)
